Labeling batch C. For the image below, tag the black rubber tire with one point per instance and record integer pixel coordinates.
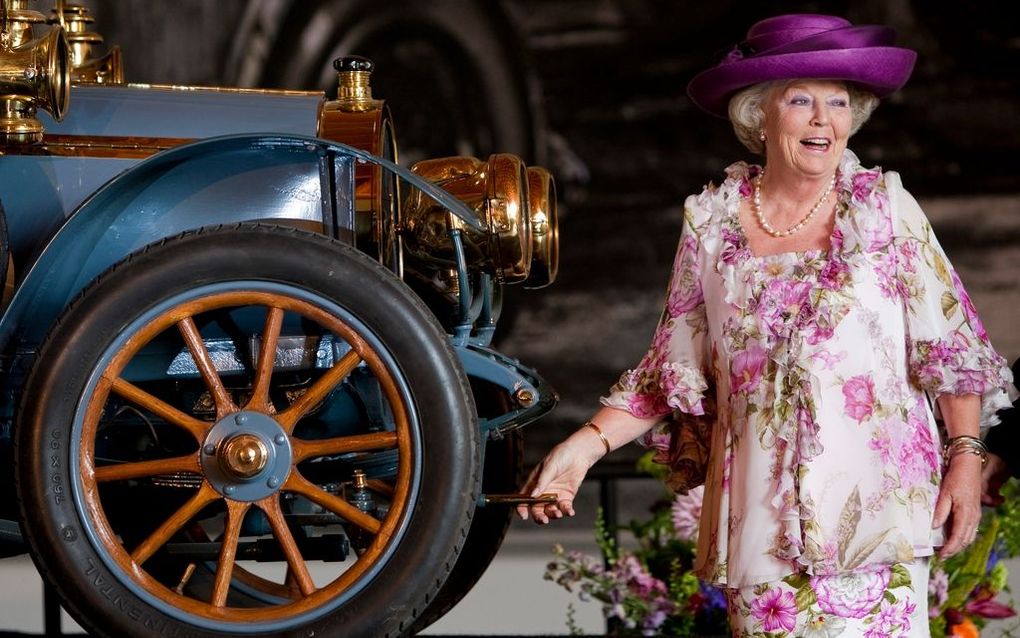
(104, 600)
(503, 474)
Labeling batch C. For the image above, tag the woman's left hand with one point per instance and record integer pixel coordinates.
(959, 503)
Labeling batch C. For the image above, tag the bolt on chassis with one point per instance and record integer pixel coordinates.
(247, 385)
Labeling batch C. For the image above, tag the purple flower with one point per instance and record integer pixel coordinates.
(776, 610)
(853, 594)
(713, 597)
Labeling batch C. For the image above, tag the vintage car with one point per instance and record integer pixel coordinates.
(248, 381)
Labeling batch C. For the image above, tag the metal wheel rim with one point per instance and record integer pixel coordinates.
(209, 615)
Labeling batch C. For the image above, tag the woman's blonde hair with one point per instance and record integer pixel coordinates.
(747, 111)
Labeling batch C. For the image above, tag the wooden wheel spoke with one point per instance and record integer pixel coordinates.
(381, 487)
(319, 390)
(343, 444)
(295, 561)
(140, 469)
(228, 551)
(340, 507)
(205, 495)
(206, 367)
(267, 361)
(160, 408)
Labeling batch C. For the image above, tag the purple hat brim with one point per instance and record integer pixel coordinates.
(881, 70)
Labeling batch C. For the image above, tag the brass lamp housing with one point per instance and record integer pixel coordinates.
(34, 74)
(497, 192)
(545, 234)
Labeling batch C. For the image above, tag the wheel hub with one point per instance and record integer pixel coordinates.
(246, 456)
(243, 455)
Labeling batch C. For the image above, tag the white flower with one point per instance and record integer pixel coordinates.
(687, 514)
(824, 626)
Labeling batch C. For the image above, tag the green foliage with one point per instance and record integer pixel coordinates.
(968, 585)
(649, 589)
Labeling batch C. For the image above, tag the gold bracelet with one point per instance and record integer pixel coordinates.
(598, 430)
(965, 445)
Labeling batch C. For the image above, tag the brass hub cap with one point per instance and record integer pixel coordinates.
(244, 455)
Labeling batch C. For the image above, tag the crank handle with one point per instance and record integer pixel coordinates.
(518, 499)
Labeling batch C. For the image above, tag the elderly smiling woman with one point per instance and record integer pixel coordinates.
(811, 323)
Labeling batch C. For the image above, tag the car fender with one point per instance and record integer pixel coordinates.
(278, 178)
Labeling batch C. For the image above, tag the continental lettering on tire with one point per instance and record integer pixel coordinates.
(107, 588)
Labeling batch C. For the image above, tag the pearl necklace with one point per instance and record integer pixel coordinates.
(756, 204)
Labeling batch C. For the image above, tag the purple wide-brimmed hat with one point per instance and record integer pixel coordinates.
(805, 46)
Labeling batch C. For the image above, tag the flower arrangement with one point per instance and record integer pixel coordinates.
(964, 590)
(650, 590)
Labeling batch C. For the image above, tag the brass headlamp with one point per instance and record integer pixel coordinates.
(34, 74)
(545, 233)
(497, 192)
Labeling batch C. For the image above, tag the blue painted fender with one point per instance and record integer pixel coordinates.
(221, 180)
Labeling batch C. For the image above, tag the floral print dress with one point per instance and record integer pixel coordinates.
(799, 386)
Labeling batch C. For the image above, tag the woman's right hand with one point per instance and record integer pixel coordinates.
(566, 465)
(561, 473)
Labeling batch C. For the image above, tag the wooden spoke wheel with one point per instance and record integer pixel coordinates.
(247, 432)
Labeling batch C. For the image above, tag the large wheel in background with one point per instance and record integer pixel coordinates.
(455, 73)
(220, 501)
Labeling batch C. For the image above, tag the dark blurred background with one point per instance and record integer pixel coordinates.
(595, 91)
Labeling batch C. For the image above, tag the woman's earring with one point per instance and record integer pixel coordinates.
(761, 134)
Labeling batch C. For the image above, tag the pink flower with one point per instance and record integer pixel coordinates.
(923, 442)
(879, 232)
(685, 289)
(836, 241)
(968, 307)
(657, 439)
(638, 579)
(731, 246)
(863, 184)
(745, 189)
(889, 280)
(687, 513)
(784, 305)
(989, 608)
(775, 609)
(938, 592)
(859, 397)
(746, 369)
(684, 388)
(852, 594)
(835, 275)
(892, 620)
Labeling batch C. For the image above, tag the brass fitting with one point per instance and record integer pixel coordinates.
(108, 69)
(354, 90)
(34, 74)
